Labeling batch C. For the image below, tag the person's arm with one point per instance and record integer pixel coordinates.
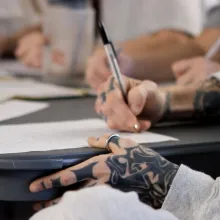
(197, 195)
(192, 102)
(10, 42)
(150, 57)
(147, 104)
(154, 54)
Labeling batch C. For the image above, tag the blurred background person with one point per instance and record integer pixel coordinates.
(153, 35)
(151, 55)
(162, 25)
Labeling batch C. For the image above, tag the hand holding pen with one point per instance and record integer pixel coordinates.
(127, 104)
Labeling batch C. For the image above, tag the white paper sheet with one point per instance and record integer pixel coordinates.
(16, 108)
(61, 135)
(16, 68)
(35, 90)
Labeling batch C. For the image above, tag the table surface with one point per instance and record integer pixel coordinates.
(201, 141)
(192, 137)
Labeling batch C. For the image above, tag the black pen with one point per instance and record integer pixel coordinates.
(112, 59)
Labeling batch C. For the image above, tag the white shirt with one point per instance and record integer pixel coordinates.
(16, 14)
(192, 196)
(209, 4)
(126, 19)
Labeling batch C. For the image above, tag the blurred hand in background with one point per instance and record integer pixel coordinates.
(30, 49)
(194, 71)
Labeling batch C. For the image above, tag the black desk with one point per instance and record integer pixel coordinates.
(199, 145)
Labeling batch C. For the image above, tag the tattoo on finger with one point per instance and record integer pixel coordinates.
(43, 185)
(56, 182)
(103, 97)
(85, 173)
(111, 84)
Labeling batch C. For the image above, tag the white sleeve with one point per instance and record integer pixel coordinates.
(101, 203)
(193, 195)
(209, 4)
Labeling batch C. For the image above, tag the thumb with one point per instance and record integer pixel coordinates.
(180, 67)
(137, 96)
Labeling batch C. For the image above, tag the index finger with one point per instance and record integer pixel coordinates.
(72, 175)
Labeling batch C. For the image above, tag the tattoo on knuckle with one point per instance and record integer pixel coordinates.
(111, 84)
(85, 173)
(43, 185)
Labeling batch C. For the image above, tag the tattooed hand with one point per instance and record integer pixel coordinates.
(129, 167)
(145, 104)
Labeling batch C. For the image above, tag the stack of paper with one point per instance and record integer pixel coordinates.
(62, 135)
(16, 68)
(29, 89)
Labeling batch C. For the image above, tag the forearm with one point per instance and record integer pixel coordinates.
(11, 41)
(153, 55)
(193, 103)
(156, 64)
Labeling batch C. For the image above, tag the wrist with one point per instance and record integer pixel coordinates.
(169, 175)
(165, 172)
(165, 112)
(174, 169)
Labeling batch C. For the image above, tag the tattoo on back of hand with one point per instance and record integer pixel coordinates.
(143, 171)
(139, 169)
